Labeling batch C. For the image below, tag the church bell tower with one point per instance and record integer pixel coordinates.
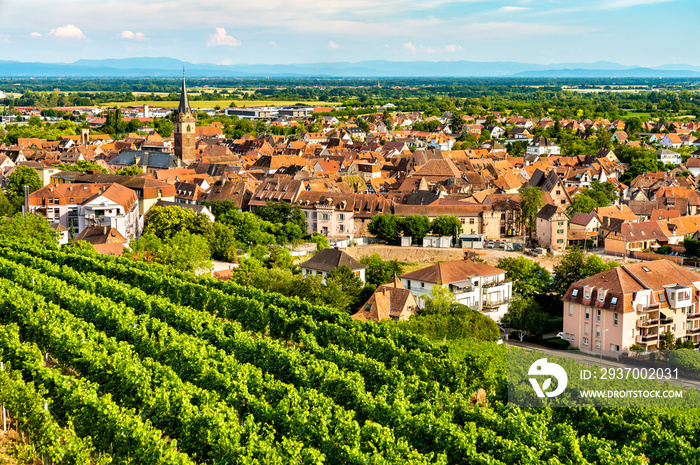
(184, 131)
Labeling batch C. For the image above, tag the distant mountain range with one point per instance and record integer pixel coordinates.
(169, 67)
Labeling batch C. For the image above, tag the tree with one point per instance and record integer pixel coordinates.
(21, 176)
(6, 207)
(380, 271)
(82, 165)
(349, 284)
(132, 170)
(525, 317)
(165, 222)
(183, 250)
(531, 202)
(581, 203)
(440, 301)
(456, 123)
(29, 227)
(416, 226)
(320, 240)
(528, 277)
(574, 266)
(446, 225)
(385, 226)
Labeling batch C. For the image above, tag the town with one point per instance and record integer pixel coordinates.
(341, 229)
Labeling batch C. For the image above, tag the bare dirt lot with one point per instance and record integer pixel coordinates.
(427, 256)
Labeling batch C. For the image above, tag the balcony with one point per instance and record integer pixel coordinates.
(666, 321)
(494, 303)
(647, 323)
(693, 316)
(692, 331)
(648, 308)
(648, 339)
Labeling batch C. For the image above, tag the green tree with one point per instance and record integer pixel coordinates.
(320, 240)
(82, 165)
(183, 250)
(531, 202)
(528, 277)
(385, 226)
(20, 177)
(525, 317)
(446, 225)
(440, 301)
(132, 170)
(28, 228)
(348, 283)
(416, 226)
(581, 203)
(574, 266)
(6, 207)
(165, 222)
(380, 271)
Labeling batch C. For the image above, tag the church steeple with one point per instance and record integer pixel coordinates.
(184, 132)
(184, 101)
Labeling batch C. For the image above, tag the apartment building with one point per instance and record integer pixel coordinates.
(633, 304)
(477, 285)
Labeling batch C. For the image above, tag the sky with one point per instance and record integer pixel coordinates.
(629, 32)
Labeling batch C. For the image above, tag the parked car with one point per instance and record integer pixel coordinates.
(491, 245)
(502, 244)
(560, 335)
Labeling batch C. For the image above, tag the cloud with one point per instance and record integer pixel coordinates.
(512, 9)
(221, 38)
(273, 43)
(452, 48)
(36, 35)
(225, 62)
(67, 32)
(333, 46)
(132, 35)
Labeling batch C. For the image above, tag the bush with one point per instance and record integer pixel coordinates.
(685, 359)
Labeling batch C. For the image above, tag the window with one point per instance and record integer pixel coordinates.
(662, 297)
(572, 338)
(422, 285)
(471, 220)
(306, 214)
(613, 301)
(571, 309)
(585, 328)
(314, 215)
(597, 344)
(585, 341)
(341, 217)
(646, 269)
(631, 333)
(612, 348)
(597, 330)
(597, 315)
(71, 200)
(615, 315)
(560, 241)
(588, 313)
(588, 295)
(601, 297)
(325, 217)
(574, 293)
(568, 336)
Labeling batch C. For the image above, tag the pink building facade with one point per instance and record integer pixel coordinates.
(632, 306)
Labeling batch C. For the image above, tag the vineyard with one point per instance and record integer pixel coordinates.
(111, 361)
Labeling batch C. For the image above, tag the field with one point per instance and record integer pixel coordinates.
(113, 361)
(213, 103)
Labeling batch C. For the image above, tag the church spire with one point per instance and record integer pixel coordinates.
(184, 101)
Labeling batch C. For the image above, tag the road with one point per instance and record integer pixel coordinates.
(591, 360)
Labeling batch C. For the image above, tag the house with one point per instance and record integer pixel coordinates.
(542, 146)
(588, 223)
(552, 227)
(477, 285)
(632, 305)
(671, 140)
(669, 156)
(328, 260)
(77, 206)
(389, 301)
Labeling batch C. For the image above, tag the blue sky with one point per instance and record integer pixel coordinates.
(630, 32)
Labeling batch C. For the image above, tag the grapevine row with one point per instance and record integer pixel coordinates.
(114, 430)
